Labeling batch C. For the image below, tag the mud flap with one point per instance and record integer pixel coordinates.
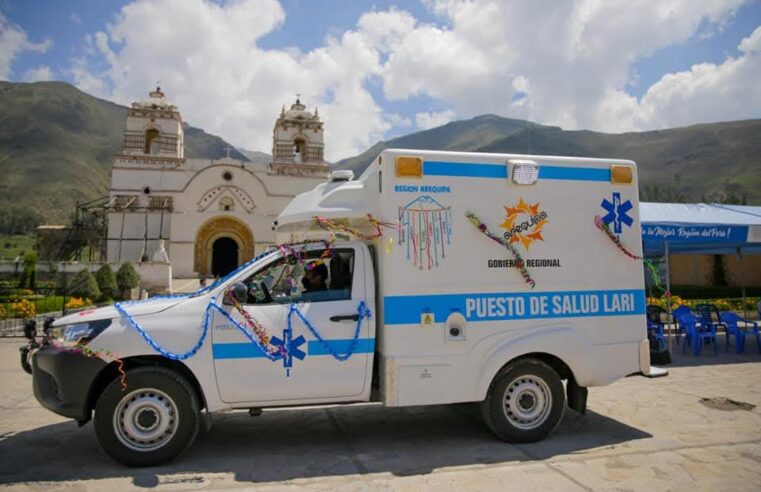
(576, 395)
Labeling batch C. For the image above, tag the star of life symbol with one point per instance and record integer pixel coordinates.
(618, 212)
(290, 347)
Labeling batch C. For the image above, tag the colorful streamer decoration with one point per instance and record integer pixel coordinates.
(604, 228)
(101, 354)
(333, 226)
(520, 264)
(425, 226)
(255, 326)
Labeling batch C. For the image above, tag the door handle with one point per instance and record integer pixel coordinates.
(345, 317)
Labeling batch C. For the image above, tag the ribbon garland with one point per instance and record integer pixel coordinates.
(332, 227)
(655, 275)
(604, 228)
(362, 312)
(261, 333)
(520, 264)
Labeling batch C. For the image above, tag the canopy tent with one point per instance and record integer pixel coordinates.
(700, 228)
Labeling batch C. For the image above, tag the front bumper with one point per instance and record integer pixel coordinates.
(62, 381)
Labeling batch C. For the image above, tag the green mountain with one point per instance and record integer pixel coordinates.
(57, 144)
(56, 148)
(718, 162)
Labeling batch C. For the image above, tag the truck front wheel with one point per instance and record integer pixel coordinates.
(525, 401)
(151, 422)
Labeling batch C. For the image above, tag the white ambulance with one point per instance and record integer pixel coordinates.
(497, 278)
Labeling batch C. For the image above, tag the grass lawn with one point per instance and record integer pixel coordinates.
(44, 305)
(13, 246)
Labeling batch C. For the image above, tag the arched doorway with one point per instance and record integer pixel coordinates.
(222, 243)
(224, 256)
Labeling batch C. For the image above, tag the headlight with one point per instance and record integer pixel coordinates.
(71, 335)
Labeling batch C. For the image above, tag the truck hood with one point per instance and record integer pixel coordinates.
(109, 312)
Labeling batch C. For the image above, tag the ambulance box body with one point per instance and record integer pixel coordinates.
(452, 307)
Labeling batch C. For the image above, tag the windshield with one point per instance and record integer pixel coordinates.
(230, 275)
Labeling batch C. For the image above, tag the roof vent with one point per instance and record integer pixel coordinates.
(341, 175)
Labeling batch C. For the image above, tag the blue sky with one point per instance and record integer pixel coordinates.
(380, 69)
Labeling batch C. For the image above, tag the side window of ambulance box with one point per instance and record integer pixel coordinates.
(314, 279)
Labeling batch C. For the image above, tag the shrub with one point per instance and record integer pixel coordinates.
(25, 309)
(127, 278)
(77, 302)
(30, 270)
(84, 285)
(106, 281)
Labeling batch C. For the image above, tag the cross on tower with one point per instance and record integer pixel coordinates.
(228, 151)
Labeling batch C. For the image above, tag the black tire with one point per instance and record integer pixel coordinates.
(535, 404)
(157, 398)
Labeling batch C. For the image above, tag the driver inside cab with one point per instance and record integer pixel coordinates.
(315, 277)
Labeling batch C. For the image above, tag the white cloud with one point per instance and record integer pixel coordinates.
(75, 19)
(13, 41)
(223, 81)
(398, 121)
(87, 81)
(565, 63)
(707, 92)
(425, 120)
(752, 43)
(38, 74)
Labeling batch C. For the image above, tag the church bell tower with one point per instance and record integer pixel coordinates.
(298, 143)
(154, 131)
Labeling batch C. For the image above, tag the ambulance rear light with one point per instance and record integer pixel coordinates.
(524, 172)
(621, 174)
(409, 167)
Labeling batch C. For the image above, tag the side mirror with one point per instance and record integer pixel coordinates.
(238, 291)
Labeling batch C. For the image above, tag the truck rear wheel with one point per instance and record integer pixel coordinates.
(525, 401)
(151, 422)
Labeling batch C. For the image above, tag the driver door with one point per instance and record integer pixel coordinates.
(308, 371)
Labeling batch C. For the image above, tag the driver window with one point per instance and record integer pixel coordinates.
(317, 278)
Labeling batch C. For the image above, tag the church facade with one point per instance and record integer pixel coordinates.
(205, 217)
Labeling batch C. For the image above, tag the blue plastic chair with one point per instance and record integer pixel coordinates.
(730, 320)
(680, 328)
(695, 331)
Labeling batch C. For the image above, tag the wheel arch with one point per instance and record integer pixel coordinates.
(559, 347)
(112, 372)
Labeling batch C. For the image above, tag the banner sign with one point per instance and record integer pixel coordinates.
(694, 233)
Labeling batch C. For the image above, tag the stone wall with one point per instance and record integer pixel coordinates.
(698, 270)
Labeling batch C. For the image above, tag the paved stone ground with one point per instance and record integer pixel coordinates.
(639, 434)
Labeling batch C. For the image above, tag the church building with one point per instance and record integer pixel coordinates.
(205, 217)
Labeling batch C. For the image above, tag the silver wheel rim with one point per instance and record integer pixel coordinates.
(145, 419)
(527, 402)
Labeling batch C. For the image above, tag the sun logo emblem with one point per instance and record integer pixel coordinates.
(524, 223)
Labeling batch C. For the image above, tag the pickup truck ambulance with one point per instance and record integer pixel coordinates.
(497, 278)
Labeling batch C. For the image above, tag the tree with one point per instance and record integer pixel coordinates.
(127, 278)
(29, 273)
(84, 285)
(106, 281)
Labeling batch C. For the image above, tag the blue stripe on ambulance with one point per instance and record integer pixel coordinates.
(401, 310)
(475, 170)
(247, 350)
